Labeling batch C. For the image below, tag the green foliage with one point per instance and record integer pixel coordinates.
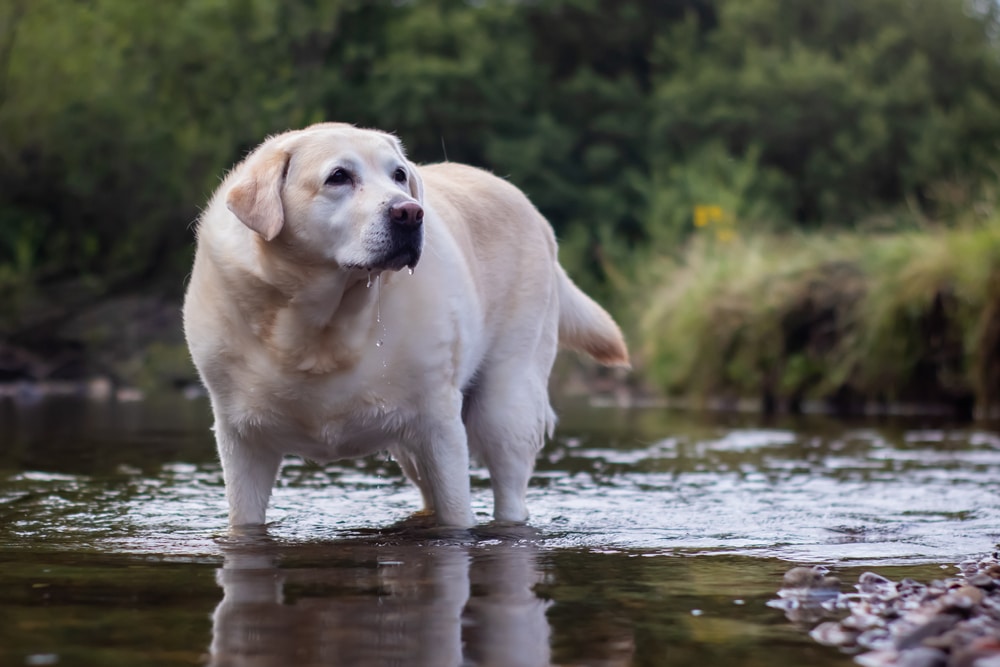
(741, 186)
(117, 119)
(858, 104)
(906, 316)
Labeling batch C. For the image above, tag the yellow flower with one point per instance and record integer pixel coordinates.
(703, 215)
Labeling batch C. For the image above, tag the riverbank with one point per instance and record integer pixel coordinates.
(950, 622)
(119, 347)
(128, 347)
(849, 323)
(905, 323)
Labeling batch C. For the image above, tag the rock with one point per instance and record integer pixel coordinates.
(981, 652)
(936, 626)
(952, 622)
(870, 583)
(923, 657)
(962, 598)
(877, 659)
(832, 633)
(806, 594)
(809, 578)
(982, 580)
(809, 582)
(875, 639)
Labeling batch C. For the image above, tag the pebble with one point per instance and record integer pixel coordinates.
(952, 622)
(809, 579)
(982, 580)
(922, 656)
(870, 583)
(804, 593)
(832, 633)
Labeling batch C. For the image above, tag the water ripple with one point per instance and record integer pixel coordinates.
(849, 495)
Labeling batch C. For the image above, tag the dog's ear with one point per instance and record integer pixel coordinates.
(255, 197)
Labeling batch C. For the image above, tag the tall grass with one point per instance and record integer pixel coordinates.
(846, 318)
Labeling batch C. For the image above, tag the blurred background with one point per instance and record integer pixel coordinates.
(786, 202)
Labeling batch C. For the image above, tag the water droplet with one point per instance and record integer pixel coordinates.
(378, 298)
(369, 285)
(378, 343)
(410, 270)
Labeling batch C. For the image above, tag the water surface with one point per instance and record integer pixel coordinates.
(656, 538)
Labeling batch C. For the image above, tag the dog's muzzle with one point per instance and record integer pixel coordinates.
(406, 237)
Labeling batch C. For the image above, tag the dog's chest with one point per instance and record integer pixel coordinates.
(324, 417)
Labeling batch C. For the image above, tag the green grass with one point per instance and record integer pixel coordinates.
(909, 316)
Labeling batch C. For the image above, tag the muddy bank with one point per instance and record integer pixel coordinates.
(790, 339)
(127, 347)
(855, 323)
(114, 347)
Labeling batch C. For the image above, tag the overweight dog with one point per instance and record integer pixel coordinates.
(344, 301)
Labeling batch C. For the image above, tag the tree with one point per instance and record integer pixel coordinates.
(858, 105)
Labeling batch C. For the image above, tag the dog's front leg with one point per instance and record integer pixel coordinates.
(444, 455)
(249, 469)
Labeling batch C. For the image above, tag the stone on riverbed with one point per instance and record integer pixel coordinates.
(948, 623)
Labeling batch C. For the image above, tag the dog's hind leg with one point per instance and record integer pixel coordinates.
(249, 470)
(507, 421)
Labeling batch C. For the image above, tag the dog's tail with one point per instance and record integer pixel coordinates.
(586, 327)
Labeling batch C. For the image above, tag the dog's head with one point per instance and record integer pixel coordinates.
(335, 193)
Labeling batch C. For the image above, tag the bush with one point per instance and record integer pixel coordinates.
(896, 317)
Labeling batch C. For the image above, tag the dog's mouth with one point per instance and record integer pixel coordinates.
(396, 259)
(393, 249)
(403, 258)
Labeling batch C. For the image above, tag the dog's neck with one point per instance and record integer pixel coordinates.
(317, 316)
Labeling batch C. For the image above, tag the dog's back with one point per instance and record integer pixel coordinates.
(514, 248)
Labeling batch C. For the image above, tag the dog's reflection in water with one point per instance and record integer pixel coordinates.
(435, 603)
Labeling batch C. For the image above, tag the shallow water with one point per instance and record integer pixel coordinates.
(656, 539)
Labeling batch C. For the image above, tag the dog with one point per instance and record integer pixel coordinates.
(344, 301)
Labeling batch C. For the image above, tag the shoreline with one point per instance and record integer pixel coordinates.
(950, 622)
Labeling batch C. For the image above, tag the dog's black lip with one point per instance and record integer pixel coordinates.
(399, 260)
(405, 258)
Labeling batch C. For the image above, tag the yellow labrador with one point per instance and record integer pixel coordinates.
(313, 340)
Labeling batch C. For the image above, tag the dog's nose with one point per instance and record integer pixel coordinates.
(406, 214)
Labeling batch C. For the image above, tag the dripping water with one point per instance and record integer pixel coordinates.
(381, 325)
(378, 308)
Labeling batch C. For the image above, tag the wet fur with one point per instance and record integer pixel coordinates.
(282, 323)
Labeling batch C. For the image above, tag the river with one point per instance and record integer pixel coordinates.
(657, 537)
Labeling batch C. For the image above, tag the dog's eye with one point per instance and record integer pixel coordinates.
(399, 175)
(338, 177)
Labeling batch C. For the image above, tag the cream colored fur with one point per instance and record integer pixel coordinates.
(313, 340)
